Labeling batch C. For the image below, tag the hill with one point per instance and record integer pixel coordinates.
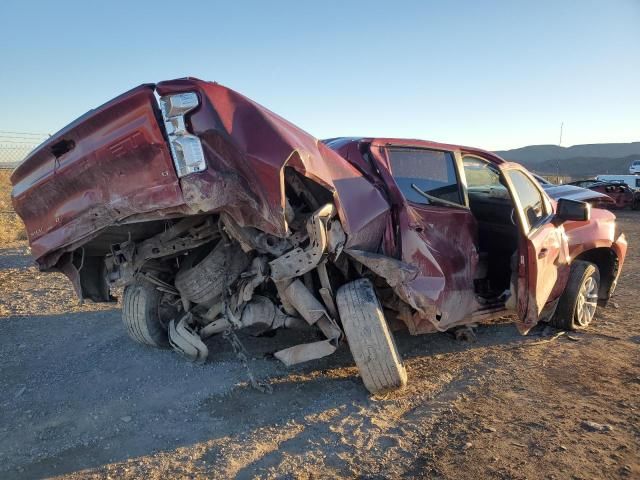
(535, 154)
(576, 161)
(583, 166)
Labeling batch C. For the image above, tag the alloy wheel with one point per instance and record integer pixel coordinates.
(587, 302)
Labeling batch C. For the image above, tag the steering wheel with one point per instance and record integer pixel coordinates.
(513, 220)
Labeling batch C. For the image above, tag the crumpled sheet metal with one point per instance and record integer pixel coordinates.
(259, 315)
(400, 276)
(306, 352)
(250, 238)
(310, 308)
(297, 262)
(420, 292)
(186, 342)
(247, 147)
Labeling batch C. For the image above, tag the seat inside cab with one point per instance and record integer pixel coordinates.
(493, 209)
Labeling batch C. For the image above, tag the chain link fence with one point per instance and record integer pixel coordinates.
(14, 146)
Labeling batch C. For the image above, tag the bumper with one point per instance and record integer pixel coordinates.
(620, 247)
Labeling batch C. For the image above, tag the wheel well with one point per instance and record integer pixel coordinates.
(607, 262)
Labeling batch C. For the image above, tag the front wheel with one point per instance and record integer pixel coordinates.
(370, 340)
(579, 301)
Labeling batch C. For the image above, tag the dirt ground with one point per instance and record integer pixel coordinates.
(81, 400)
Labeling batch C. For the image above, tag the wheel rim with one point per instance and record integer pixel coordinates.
(587, 302)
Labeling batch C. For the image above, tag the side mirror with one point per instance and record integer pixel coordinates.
(573, 210)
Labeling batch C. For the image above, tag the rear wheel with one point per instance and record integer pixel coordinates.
(577, 305)
(145, 315)
(370, 340)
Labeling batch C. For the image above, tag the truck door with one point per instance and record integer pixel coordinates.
(434, 228)
(543, 252)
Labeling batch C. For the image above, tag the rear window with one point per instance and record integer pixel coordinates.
(432, 171)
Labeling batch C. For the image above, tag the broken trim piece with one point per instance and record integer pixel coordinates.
(186, 342)
(314, 313)
(297, 262)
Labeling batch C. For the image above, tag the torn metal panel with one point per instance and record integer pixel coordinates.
(219, 325)
(245, 138)
(67, 267)
(186, 342)
(246, 148)
(304, 353)
(304, 302)
(252, 278)
(310, 308)
(336, 239)
(281, 287)
(253, 239)
(420, 292)
(326, 291)
(394, 271)
(297, 262)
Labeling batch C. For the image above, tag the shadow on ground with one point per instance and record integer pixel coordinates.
(74, 400)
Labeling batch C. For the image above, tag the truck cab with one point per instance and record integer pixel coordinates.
(483, 232)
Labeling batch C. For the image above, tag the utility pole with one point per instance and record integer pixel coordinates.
(560, 142)
(557, 159)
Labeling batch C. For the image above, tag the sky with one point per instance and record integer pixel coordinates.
(492, 74)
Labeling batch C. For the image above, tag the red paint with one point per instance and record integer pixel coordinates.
(622, 195)
(120, 166)
(120, 170)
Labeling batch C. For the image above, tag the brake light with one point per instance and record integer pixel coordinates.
(186, 148)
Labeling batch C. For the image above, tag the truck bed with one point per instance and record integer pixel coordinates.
(110, 164)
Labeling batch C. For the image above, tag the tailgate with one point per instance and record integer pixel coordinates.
(111, 163)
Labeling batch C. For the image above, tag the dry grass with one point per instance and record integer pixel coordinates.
(11, 227)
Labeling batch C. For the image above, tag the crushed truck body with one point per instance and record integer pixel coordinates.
(217, 215)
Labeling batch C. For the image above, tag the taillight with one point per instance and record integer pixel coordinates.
(186, 149)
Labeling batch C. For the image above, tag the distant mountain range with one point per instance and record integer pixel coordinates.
(576, 161)
(579, 161)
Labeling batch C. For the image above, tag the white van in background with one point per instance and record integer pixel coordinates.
(632, 180)
(634, 168)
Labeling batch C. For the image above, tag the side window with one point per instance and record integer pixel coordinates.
(534, 204)
(480, 174)
(431, 171)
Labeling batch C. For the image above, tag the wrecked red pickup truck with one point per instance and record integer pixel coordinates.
(215, 215)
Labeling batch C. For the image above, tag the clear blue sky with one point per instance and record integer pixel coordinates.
(493, 74)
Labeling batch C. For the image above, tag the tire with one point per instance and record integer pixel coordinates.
(572, 312)
(141, 314)
(203, 276)
(370, 340)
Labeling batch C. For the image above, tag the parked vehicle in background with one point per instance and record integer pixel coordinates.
(621, 193)
(215, 215)
(585, 183)
(632, 181)
(575, 192)
(634, 168)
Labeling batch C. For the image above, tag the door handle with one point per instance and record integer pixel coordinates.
(543, 252)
